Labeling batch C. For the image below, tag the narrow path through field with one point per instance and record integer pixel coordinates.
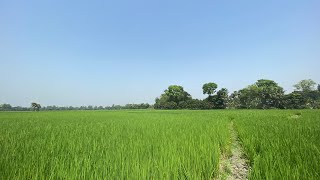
(235, 166)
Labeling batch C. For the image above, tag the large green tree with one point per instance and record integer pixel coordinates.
(233, 100)
(221, 99)
(305, 85)
(177, 94)
(311, 96)
(5, 107)
(35, 106)
(264, 94)
(295, 100)
(209, 88)
(312, 99)
(270, 94)
(172, 98)
(248, 97)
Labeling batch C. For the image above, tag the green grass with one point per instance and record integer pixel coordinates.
(156, 144)
(111, 144)
(281, 144)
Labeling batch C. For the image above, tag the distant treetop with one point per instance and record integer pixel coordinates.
(305, 85)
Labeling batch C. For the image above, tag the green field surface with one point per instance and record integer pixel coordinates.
(154, 144)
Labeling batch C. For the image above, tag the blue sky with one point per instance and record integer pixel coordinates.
(116, 52)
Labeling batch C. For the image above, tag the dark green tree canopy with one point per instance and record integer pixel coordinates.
(266, 83)
(209, 88)
(5, 107)
(233, 100)
(176, 94)
(295, 100)
(221, 99)
(264, 94)
(35, 106)
(174, 97)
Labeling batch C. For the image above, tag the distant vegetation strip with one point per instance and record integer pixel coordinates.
(8, 107)
(264, 94)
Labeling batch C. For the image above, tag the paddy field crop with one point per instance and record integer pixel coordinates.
(154, 144)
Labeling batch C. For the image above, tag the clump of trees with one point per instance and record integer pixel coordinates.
(8, 107)
(218, 100)
(264, 94)
(175, 97)
(5, 107)
(35, 106)
(305, 95)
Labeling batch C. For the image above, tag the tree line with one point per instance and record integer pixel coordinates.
(37, 107)
(263, 94)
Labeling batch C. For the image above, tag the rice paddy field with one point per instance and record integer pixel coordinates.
(154, 144)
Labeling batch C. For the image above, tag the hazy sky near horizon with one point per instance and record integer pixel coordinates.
(116, 52)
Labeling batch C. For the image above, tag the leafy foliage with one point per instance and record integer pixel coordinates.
(35, 106)
(305, 85)
(295, 100)
(5, 107)
(221, 99)
(263, 94)
(209, 88)
(173, 98)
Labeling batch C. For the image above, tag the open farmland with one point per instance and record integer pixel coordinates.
(182, 144)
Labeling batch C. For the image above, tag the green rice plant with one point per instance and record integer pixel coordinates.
(157, 144)
(111, 144)
(279, 146)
